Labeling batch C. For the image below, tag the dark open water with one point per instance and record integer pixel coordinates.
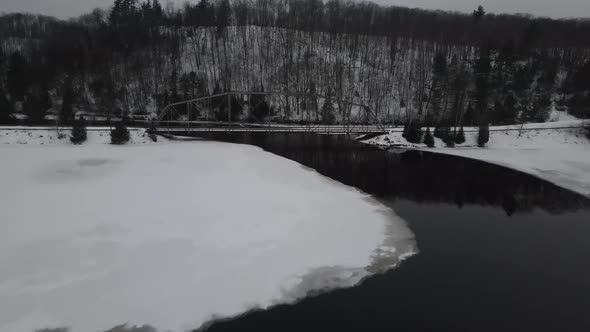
(499, 250)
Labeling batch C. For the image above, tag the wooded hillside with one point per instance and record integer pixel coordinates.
(404, 64)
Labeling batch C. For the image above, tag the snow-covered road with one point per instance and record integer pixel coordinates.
(172, 234)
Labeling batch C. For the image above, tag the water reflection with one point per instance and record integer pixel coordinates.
(417, 176)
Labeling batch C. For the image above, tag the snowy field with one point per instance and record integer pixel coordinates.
(174, 234)
(550, 151)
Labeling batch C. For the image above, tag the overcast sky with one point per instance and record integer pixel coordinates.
(551, 8)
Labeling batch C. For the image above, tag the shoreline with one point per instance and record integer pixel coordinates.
(556, 153)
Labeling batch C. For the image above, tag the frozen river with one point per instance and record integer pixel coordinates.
(175, 234)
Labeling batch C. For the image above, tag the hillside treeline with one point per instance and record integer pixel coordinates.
(435, 67)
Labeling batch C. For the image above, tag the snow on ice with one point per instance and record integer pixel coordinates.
(173, 234)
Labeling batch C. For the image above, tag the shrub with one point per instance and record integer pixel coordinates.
(79, 134)
(120, 134)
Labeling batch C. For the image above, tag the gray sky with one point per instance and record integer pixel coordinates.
(551, 8)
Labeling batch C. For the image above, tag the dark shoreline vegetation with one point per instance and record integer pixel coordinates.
(439, 68)
(498, 248)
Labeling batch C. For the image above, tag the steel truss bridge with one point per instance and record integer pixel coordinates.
(233, 112)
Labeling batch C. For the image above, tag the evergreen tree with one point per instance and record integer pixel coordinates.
(448, 136)
(16, 78)
(120, 134)
(223, 15)
(443, 132)
(174, 86)
(259, 108)
(5, 107)
(478, 14)
(79, 134)
(151, 131)
(204, 13)
(509, 110)
(157, 12)
(460, 138)
(484, 135)
(45, 101)
(428, 139)
(451, 139)
(539, 110)
(414, 133)
(116, 13)
(236, 108)
(32, 108)
(439, 86)
(193, 84)
(2, 61)
(579, 105)
(529, 38)
(581, 78)
(328, 113)
(217, 100)
(67, 110)
(482, 70)
(186, 86)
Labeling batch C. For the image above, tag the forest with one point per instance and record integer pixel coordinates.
(404, 65)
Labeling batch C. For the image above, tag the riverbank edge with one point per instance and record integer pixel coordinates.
(558, 153)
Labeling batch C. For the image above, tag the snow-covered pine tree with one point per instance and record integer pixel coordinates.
(79, 134)
(120, 134)
(484, 134)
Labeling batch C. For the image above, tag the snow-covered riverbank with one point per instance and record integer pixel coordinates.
(558, 152)
(173, 234)
(50, 136)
